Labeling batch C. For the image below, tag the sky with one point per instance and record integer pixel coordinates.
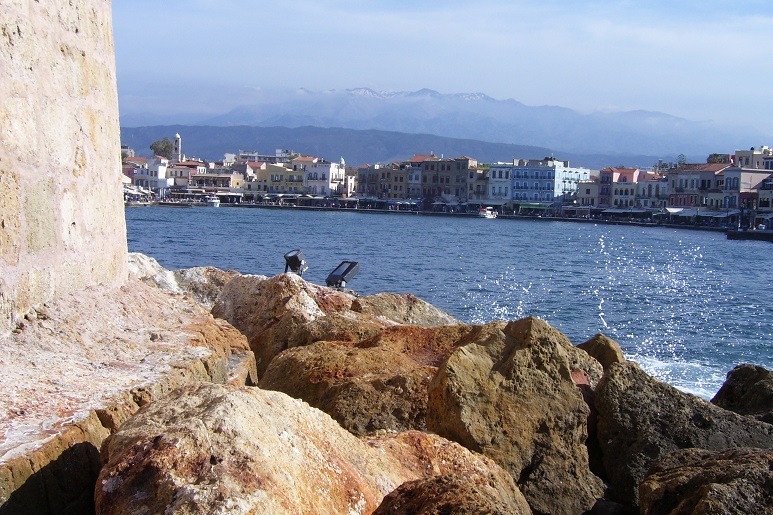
(703, 60)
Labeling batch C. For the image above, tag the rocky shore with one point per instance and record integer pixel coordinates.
(346, 404)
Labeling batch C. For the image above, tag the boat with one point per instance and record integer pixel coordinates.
(212, 201)
(487, 212)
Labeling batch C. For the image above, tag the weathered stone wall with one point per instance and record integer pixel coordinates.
(61, 213)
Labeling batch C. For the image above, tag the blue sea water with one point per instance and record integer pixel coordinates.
(688, 306)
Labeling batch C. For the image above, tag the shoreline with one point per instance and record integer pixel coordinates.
(462, 215)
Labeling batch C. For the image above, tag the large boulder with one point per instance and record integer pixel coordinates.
(642, 419)
(376, 384)
(79, 366)
(218, 449)
(285, 311)
(692, 481)
(748, 390)
(509, 394)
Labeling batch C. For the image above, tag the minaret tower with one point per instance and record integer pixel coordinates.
(178, 148)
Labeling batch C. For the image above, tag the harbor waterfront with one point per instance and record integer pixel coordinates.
(688, 306)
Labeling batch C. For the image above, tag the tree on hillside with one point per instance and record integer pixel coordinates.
(681, 160)
(718, 158)
(162, 147)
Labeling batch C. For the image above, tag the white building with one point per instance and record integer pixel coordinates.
(321, 178)
(154, 177)
(536, 184)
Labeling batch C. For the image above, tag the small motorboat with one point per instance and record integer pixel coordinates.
(487, 212)
(212, 201)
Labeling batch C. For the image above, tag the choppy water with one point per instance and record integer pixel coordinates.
(688, 306)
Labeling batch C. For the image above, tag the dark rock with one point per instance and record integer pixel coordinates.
(697, 481)
(748, 390)
(642, 419)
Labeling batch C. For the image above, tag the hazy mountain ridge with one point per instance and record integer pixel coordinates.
(355, 146)
(480, 117)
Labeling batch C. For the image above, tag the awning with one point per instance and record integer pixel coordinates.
(535, 206)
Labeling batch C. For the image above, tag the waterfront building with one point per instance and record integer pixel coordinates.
(752, 158)
(651, 191)
(697, 185)
(154, 176)
(321, 177)
(587, 195)
(530, 185)
(280, 156)
(617, 188)
(225, 183)
(394, 182)
(499, 188)
(742, 186)
(445, 179)
(477, 184)
(368, 180)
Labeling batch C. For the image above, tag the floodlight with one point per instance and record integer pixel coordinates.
(295, 262)
(342, 274)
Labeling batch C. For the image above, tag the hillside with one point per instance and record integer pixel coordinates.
(355, 146)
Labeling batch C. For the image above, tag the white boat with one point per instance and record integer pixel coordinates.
(487, 212)
(212, 201)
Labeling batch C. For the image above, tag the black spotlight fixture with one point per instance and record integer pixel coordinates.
(342, 274)
(295, 262)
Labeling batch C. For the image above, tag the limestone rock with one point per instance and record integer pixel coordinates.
(364, 390)
(285, 311)
(85, 363)
(510, 396)
(377, 384)
(604, 350)
(697, 481)
(218, 449)
(203, 283)
(451, 494)
(403, 309)
(642, 419)
(748, 390)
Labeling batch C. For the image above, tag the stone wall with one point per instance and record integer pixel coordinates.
(62, 225)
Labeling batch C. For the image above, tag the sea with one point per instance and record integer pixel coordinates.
(687, 305)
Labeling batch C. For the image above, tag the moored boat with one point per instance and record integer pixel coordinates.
(487, 212)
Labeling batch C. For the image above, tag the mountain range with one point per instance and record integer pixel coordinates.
(475, 119)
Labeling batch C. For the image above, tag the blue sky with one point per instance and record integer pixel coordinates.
(701, 60)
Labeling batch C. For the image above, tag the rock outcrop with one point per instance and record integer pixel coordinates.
(509, 395)
(642, 419)
(748, 390)
(286, 311)
(699, 481)
(376, 384)
(217, 449)
(80, 366)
